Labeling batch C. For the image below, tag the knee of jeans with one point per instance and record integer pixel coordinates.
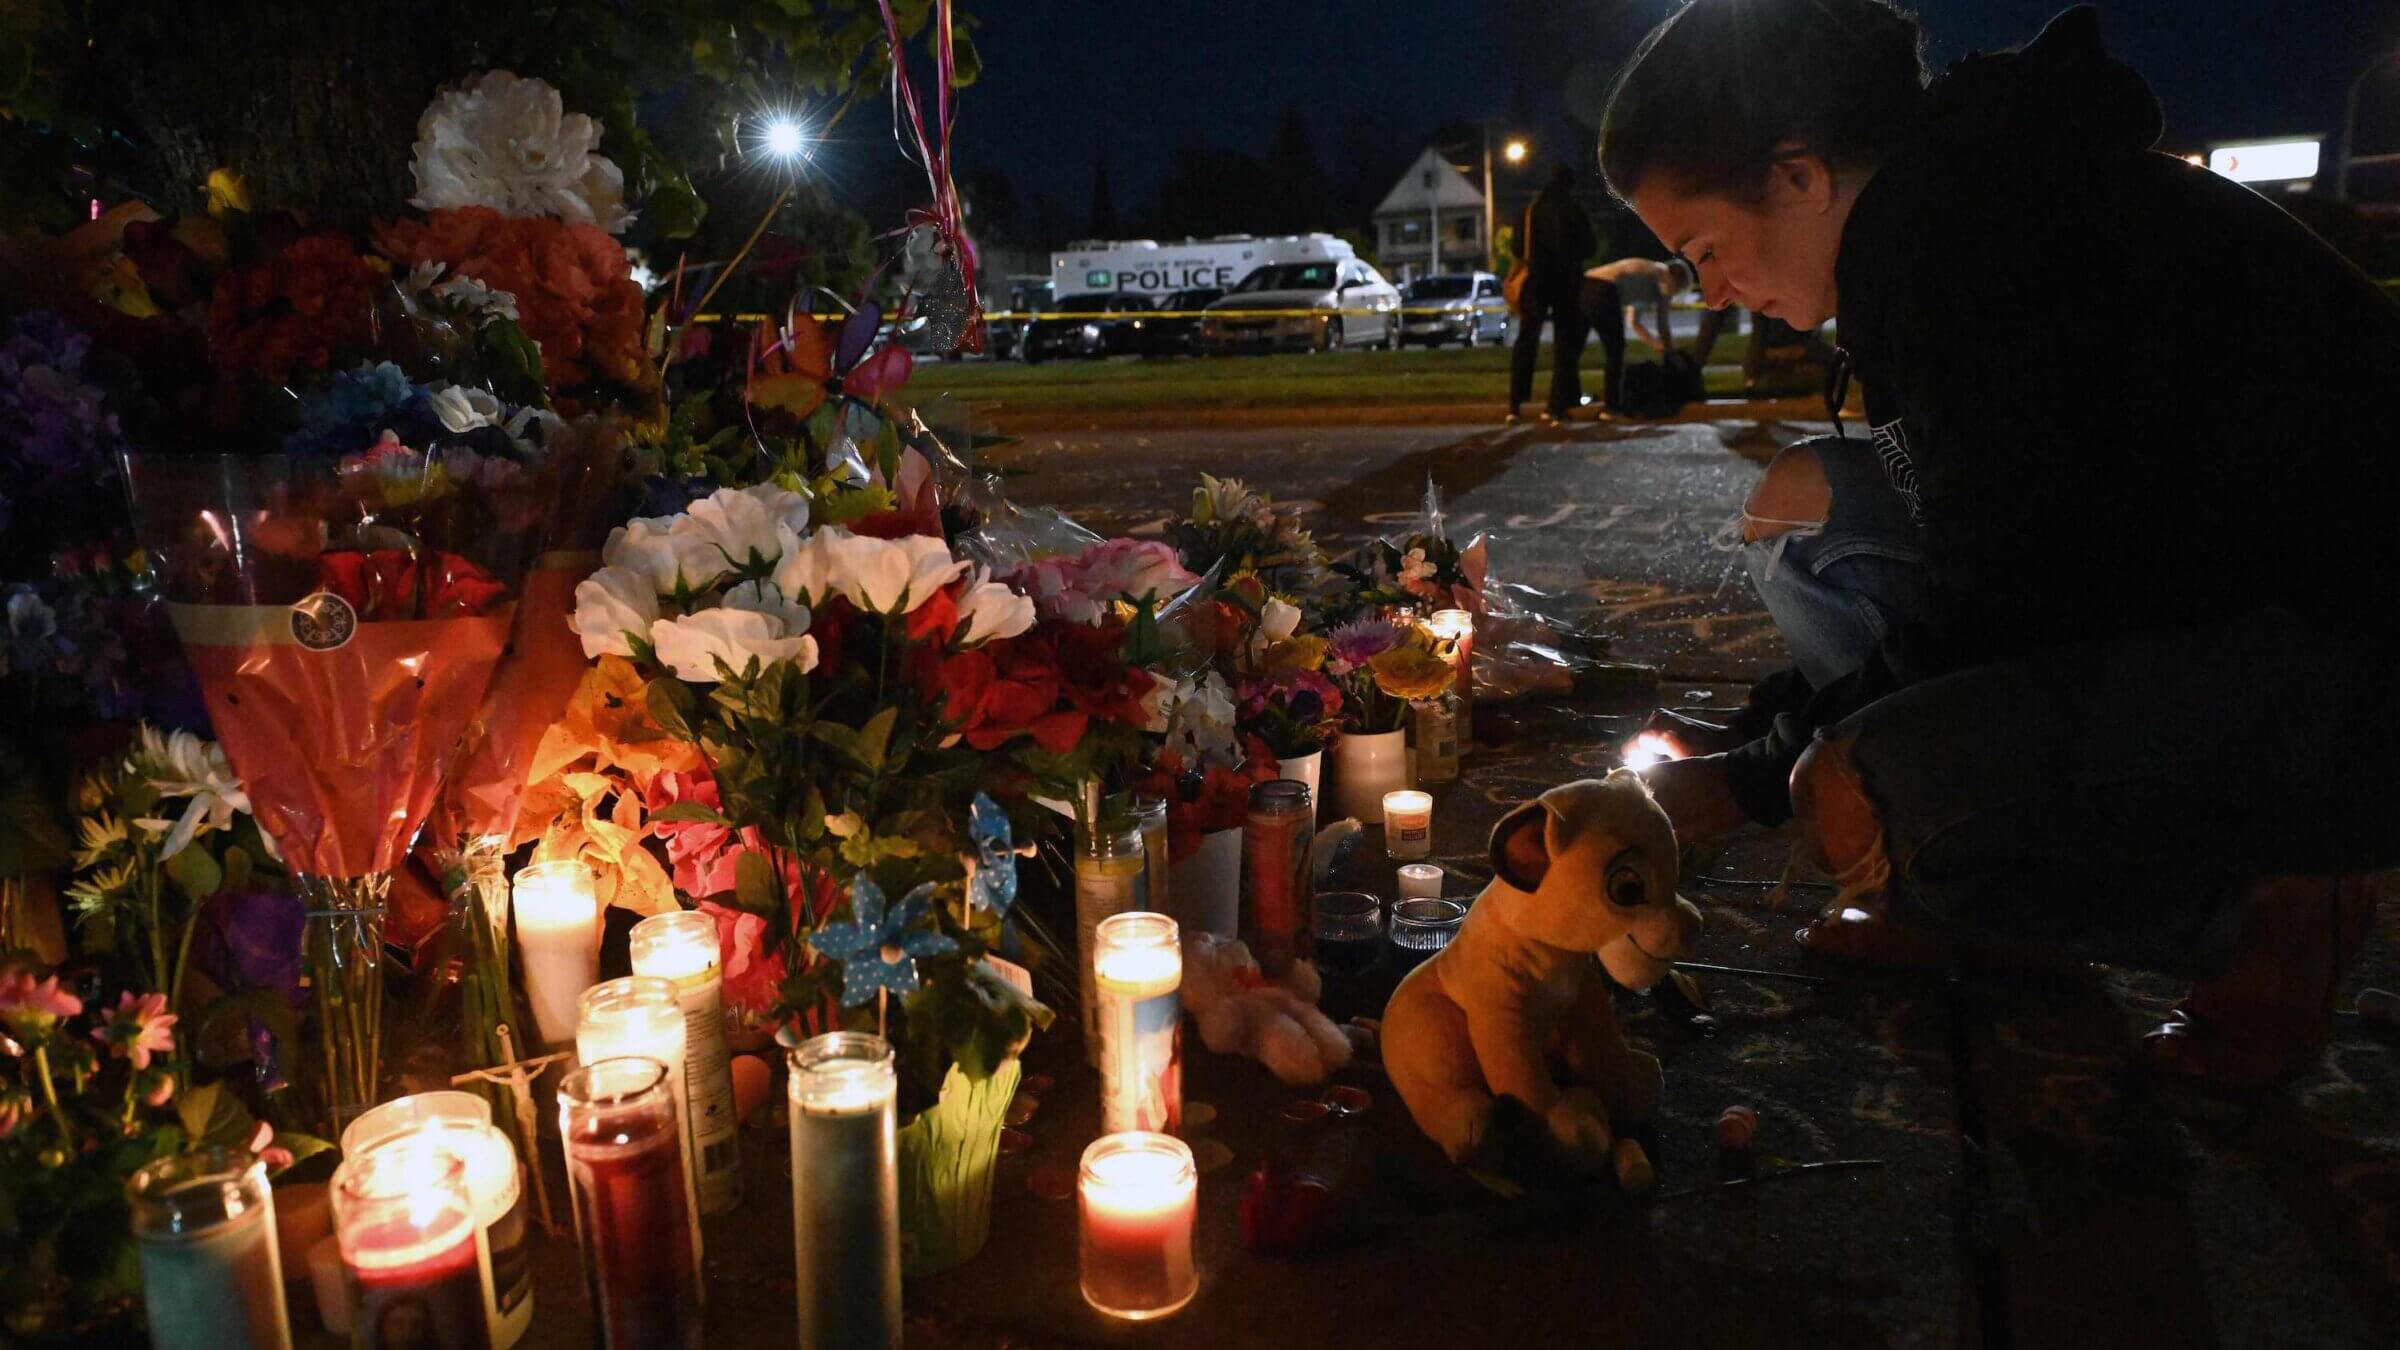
(1840, 826)
(1792, 495)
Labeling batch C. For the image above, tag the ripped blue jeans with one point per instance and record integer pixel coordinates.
(1836, 589)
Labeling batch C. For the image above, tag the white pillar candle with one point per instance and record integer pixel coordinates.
(1137, 962)
(204, 1224)
(1407, 823)
(846, 1192)
(558, 936)
(1421, 881)
(639, 1016)
(1137, 1196)
(461, 1123)
(681, 948)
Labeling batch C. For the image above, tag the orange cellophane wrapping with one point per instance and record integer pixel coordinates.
(342, 751)
(544, 664)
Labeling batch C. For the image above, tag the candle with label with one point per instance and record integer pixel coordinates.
(558, 938)
(1407, 823)
(407, 1236)
(1421, 881)
(1455, 629)
(1112, 876)
(1138, 965)
(461, 1122)
(639, 1015)
(1277, 838)
(1150, 811)
(625, 1161)
(846, 1192)
(681, 948)
(204, 1225)
(1138, 1194)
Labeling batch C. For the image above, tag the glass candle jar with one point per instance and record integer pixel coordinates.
(462, 1123)
(1112, 876)
(1137, 1196)
(681, 948)
(204, 1226)
(846, 1192)
(406, 1230)
(558, 939)
(640, 1015)
(1349, 931)
(625, 1169)
(1422, 927)
(1455, 630)
(1138, 970)
(1150, 813)
(1421, 881)
(1407, 823)
(1276, 851)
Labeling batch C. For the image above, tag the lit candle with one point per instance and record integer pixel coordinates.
(681, 948)
(1151, 811)
(1456, 628)
(1138, 1196)
(461, 1123)
(1137, 962)
(625, 1162)
(846, 1192)
(558, 934)
(1407, 823)
(204, 1224)
(639, 1015)
(407, 1235)
(1421, 881)
(1112, 876)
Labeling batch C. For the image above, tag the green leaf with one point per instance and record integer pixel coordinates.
(876, 736)
(689, 813)
(195, 873)
(302, 1146)
(756, 888)
(220, 1035)
(672, 704)
(841, 740)
(237, 866)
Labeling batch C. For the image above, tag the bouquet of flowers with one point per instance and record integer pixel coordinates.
(1381, 665)
(1235, 529)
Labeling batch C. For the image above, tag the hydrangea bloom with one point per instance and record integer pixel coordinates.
(509, 143)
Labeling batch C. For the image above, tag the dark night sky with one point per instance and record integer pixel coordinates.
(1068, 80)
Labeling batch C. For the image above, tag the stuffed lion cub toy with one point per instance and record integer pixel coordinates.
(1584, 878)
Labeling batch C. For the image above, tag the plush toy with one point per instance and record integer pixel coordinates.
(1241, 1012)
(1584, 879)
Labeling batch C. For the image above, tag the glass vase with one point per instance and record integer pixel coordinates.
(342, 957)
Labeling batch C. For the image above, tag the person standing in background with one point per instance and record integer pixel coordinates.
(1558, 237)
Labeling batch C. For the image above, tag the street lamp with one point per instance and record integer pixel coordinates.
(1514, 151)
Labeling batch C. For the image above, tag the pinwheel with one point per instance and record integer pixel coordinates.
(879, 947)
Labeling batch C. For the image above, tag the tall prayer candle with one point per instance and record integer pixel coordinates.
(1112, 876)
(640, 1015)
(1138, 1194)
(205, 1226)
(1456, 628)
(1421, 881)
(558, 937)
(407, 1235)
(461, 1122)
(681, 948)
(1151, 811)
(846, 1192)
(1138, 965)
(1407, 823)
(625, 1162)
(1276, 840)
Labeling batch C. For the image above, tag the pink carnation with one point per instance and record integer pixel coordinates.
(1080, 589)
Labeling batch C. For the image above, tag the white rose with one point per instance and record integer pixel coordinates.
(1278, 619)
(672, 562)
(693, 645)
(991, 610)
(892, 576)
(611, 603)
(749, 527)
(808, 571)
(765, 597)
(509, 144)
(463, 410)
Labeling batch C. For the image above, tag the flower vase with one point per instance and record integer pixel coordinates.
(1309, 769)
(342, 958)
(949, 1158)
(1364, 768)
(1206, 887)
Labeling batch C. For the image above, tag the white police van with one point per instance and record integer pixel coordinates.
(1148, 267)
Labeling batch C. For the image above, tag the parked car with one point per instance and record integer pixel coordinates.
(1464, 307)
(1174, 336)
(1101, 323)
(1321, 306)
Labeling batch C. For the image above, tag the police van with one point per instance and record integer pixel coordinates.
(1149, 268)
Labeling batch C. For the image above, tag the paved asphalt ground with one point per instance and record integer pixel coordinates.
(2014, 1185)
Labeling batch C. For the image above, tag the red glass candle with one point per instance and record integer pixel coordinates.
(632, 1213)
(1139, 1193)
(407, 1237)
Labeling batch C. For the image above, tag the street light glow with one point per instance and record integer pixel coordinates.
(1513, 152)
(782, 138)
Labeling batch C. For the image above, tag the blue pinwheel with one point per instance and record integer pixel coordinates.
(879, 947)
(993, 884)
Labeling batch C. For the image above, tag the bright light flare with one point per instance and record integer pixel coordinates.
(783, 139)
(1650, 748)
(1515, 151)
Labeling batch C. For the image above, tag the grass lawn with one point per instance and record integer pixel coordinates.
(1444, 375)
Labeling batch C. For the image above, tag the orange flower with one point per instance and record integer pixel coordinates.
(574, 287)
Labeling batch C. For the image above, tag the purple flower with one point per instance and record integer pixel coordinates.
(254, 942)
(56, 424)
(1354, 644)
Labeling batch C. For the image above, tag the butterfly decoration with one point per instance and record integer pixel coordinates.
(992, 870)
(879, 947)
(811, 360)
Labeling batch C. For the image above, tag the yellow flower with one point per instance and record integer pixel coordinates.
(227, 192)
(1410, 671)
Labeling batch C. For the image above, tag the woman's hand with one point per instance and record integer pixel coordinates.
(1696, 797)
